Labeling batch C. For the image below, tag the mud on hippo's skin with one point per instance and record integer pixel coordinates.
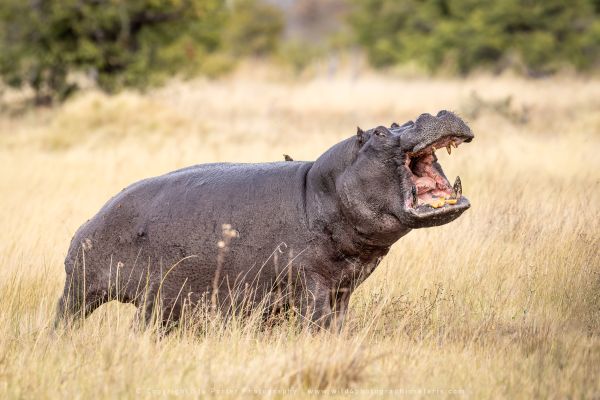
(290, 235)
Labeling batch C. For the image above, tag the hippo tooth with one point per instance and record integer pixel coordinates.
(438, 203)
(415, 198)
(457, 188)
(453, 144)
(449, 149)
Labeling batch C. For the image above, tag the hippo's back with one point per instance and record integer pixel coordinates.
(158, 222)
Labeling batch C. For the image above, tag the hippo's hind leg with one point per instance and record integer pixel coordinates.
(340, 299)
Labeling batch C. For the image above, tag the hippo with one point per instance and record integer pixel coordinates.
(293, 237)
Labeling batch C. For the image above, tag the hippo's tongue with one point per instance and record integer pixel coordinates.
(429, 193)
(424, 184)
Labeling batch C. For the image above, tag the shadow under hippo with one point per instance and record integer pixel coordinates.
(290, 235)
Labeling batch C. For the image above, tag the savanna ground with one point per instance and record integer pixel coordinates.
(503, 302)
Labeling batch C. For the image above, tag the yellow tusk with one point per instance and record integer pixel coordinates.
(439, 203)
(449, 149)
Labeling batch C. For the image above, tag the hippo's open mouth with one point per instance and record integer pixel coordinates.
(428, 198)
(431, 192)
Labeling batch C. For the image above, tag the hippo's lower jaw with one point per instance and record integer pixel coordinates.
(431, 201)
(426, 216)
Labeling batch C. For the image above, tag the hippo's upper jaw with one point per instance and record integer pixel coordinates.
(429, 199)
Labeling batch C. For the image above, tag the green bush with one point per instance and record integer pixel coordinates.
(254, 28)
(298, 55)
(118, 43)
(541, 35)
(127, 43)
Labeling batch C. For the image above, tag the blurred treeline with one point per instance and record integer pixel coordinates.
(49, 45)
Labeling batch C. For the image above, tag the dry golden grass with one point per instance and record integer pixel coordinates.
(503, 302)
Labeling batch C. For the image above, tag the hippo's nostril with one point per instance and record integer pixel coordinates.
(442, 113)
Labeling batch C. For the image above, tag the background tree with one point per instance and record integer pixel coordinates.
(254, 28)
(46, 45)
(116, 42)
(542, 35)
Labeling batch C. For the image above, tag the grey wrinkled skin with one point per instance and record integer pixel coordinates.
(303, 235)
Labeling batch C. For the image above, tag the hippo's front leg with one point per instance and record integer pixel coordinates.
(315, 305)
(340, 299)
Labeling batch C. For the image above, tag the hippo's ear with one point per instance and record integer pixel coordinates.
(360, 134)
(382, 131)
